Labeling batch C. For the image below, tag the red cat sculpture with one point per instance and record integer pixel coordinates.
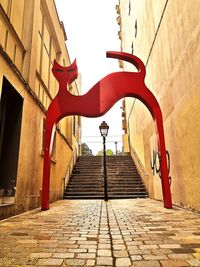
(96, 102)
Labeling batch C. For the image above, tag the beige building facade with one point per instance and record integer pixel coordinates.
(31, 38)
(166, 36)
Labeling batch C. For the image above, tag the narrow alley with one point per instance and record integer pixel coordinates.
(131, 68)
(132, 232)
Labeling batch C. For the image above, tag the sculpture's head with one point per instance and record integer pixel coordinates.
(65, 75)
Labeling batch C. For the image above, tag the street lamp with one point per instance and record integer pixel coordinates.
(104, 132)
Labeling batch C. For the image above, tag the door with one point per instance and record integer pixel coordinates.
(10, 127)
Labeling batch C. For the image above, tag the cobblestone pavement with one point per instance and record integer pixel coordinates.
(139, 233)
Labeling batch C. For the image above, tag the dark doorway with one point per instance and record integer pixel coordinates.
(10, 127)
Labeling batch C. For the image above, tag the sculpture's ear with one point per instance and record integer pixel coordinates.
(56, 65)
(74, 63)
(54, 62)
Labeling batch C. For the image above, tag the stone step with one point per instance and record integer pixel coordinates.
(124, 164)
(111, 194)
(126, 188)
(128, 196)
(85, 176)
(90, 182)
(101, 192)
(113, 169)
(91, 187)
(102, 196)
(94, 183)
(117, 177)
(124, 177)
(99, 178)
(112, 183)
(85, 190)
(86, 180)
(100, 174)
(83, 197)
(88, 194)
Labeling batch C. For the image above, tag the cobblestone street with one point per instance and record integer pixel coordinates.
(139, 233)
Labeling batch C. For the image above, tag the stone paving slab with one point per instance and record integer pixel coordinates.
(132, 232)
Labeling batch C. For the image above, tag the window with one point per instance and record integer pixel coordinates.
(11, 26)
(45, 59)
(15, 12)
(46, 53)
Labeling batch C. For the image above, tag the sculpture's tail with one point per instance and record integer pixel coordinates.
(130, 58)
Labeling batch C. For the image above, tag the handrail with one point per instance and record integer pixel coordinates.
(139, 164)
(69, 170)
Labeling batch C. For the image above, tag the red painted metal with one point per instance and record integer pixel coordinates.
(96, 102)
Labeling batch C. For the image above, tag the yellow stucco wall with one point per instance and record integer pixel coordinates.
(31, 38)
(168, 42)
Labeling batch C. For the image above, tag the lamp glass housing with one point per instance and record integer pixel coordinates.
(104, 129)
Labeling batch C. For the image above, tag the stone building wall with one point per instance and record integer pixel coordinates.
(166, 36)
(31, 38)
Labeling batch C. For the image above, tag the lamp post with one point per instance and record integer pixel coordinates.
(116, 148)
(104, 132)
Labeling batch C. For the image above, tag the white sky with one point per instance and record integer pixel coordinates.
(92, 30)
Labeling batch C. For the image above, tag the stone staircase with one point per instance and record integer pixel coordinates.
(87, 181)
(124, 180)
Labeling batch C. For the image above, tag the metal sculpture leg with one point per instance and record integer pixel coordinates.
(49, 137)
(163, 161)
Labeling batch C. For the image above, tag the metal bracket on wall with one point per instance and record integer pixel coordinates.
(155, 165)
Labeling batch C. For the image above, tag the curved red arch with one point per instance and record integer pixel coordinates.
(96, 102)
